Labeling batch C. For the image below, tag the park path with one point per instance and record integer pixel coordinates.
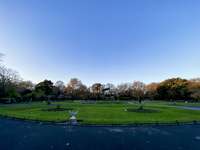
(19, 135)
(185, 107)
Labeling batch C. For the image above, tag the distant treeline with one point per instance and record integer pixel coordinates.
(12, 88)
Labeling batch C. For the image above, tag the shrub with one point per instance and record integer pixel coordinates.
(58, 106)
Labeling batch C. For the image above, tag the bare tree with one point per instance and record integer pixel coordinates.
(138, 89)
(111, 88)
(76, 89)
(124, 89)
(25, 87)
(151, 90)
(60, 85)
(1, 57)
(8, 74)
(8, 80)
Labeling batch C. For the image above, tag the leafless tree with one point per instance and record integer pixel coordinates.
(138, 89)
(124, 89)
(1, 57)
(8, 74)
(60, 85)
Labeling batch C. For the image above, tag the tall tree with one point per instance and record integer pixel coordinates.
(151, 90)
(124, 89)
(60, 85)
(110, 89)
(45, 86)
(96, 90)
(175, 88)
(25, 88)
(8, 80)
(76, 89)
(138, 89)
(194, 88)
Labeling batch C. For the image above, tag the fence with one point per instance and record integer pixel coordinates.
(136, 123)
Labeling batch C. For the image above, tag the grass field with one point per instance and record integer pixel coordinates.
(101, 112)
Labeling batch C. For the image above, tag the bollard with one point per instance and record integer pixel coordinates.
(157, 123)
(177, 122)
(195, 122)
(23, 118)
(37, 120)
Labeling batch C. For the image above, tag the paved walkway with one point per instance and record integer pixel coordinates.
(19, 135)
(185, 107)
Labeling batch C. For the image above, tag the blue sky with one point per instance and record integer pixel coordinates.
(105, 41)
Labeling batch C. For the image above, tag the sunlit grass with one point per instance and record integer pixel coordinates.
(101, 114)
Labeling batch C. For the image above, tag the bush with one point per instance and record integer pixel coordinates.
(140, 107)
(58, 106)
(5, 100)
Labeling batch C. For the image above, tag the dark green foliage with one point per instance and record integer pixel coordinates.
(4, 100)
(58, 106)
(175, 88)
(45, 86)
(141, 107)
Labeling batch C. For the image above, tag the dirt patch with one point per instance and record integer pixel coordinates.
(56, 109)
(144, 110)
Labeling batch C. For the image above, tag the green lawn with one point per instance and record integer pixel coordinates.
(100, 114)
(110, 102)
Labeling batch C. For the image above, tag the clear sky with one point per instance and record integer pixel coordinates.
(105, 41)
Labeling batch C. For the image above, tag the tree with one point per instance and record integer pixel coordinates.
(124, 89)
(45, 86)
(194, 88)
(1, 57)
(96, 90)
(76, 89)
(8, 80)
(38, 94)
(151, 90)
(55, 92)
(74, 83)
(25, 87)
(110, 89)
(68, 91)
(82, 92)
(175, 88)
(72, 86)
(60, 85)
(138, 89)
